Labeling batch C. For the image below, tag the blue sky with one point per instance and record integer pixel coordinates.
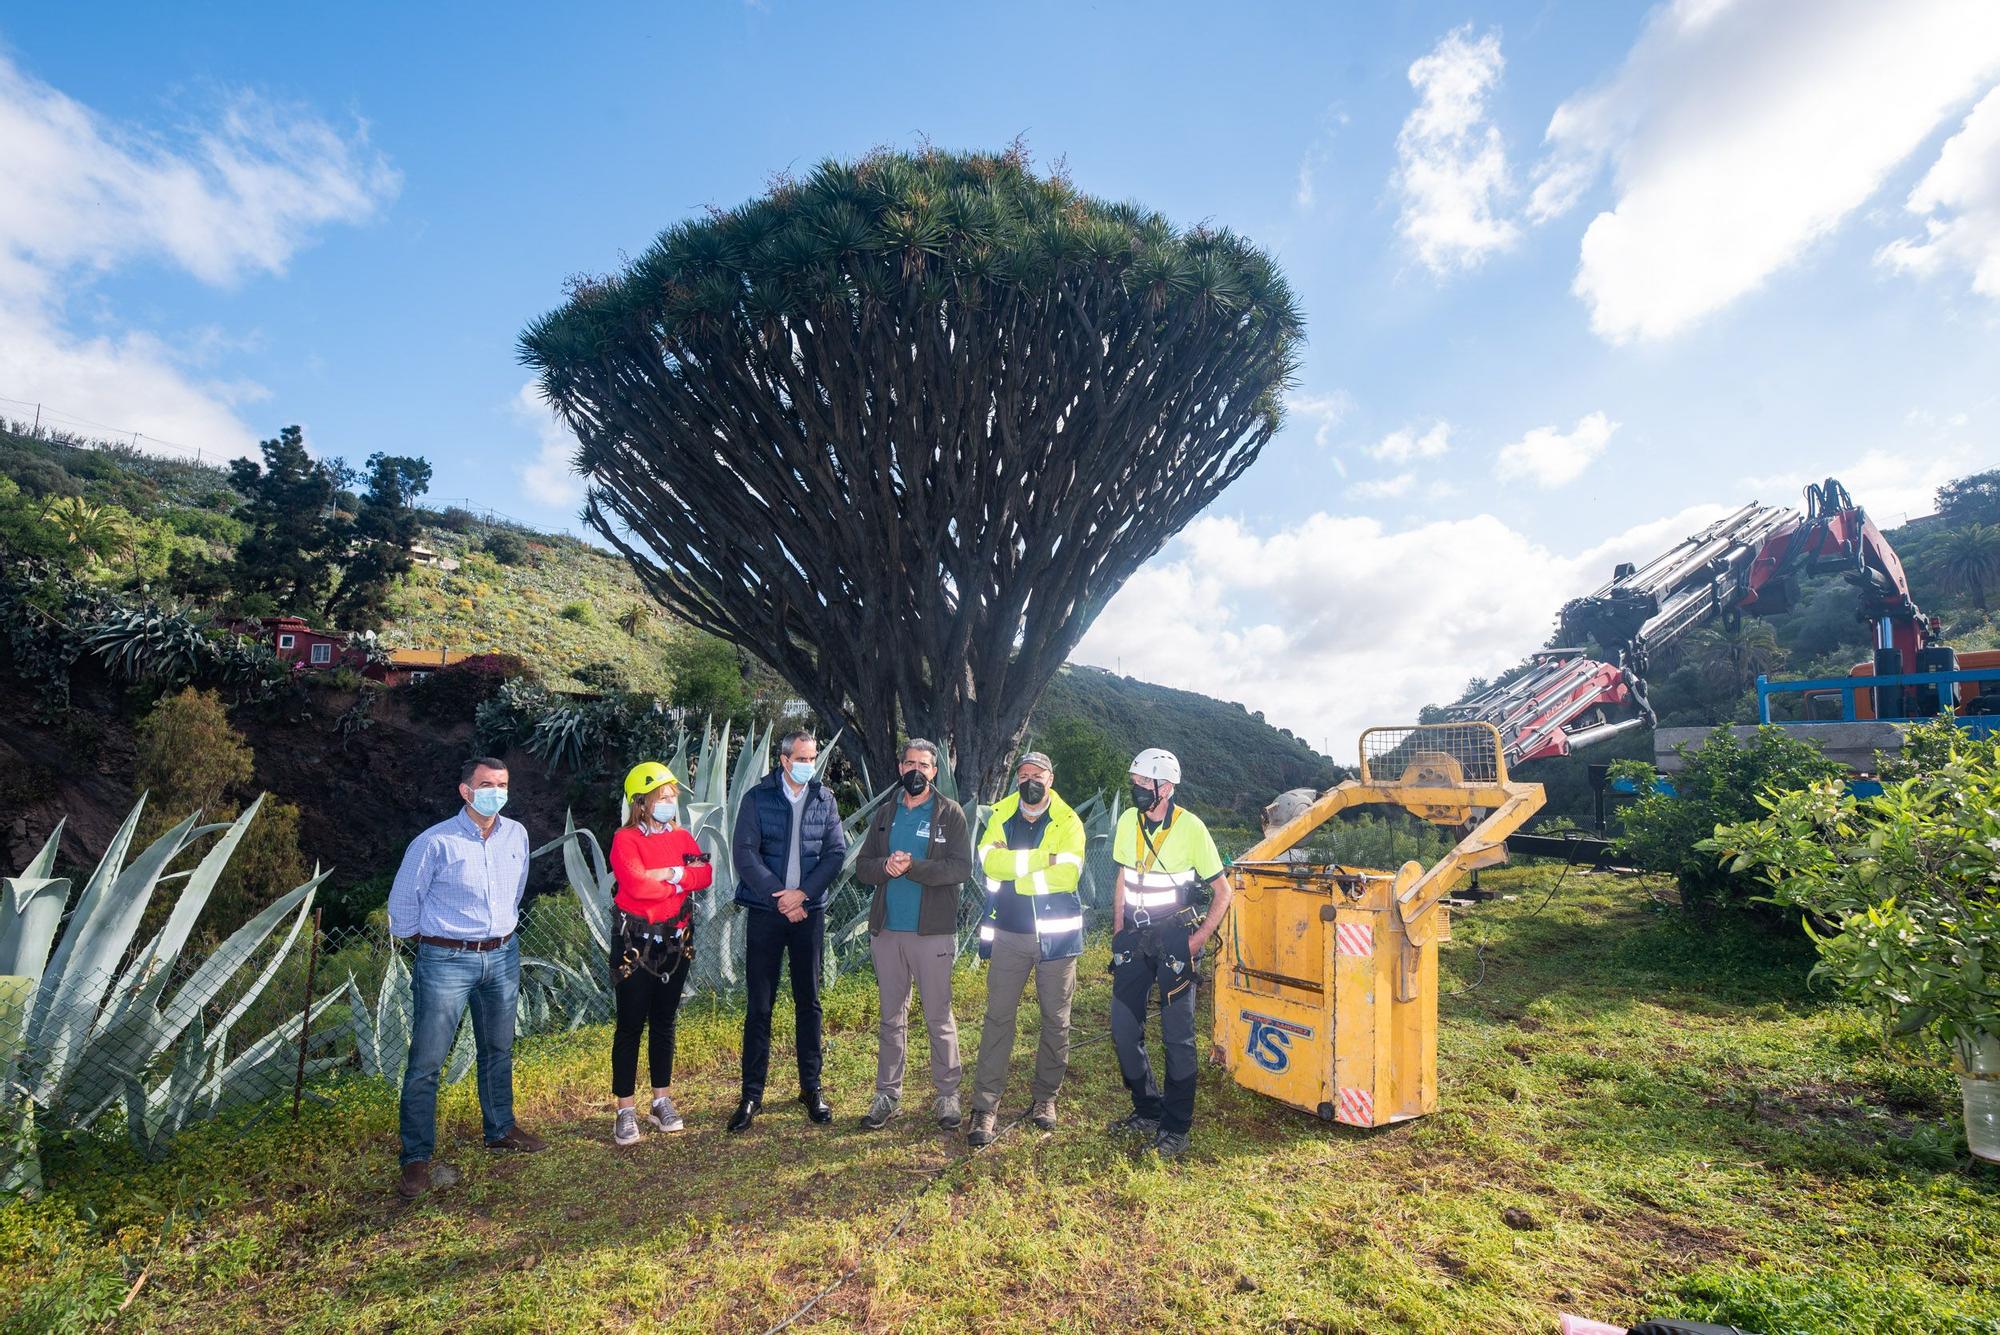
(1577, 275)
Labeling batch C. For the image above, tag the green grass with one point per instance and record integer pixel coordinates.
(1639, 1116)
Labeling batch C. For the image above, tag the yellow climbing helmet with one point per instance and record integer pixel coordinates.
(647, 776)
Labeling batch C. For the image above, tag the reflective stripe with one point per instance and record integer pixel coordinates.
(993, 885)
(986, 933)
(1151, 899)
(1021, 863)
(1068, 860)
(1039, 883)
(1053, 926)
(1156, 879)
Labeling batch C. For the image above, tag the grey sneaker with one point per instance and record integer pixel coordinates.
(1170, 1144)
(665, 1116)
(982, 1130)
(880, 1110)
(949, 1115)
(625, 1131)
(1133, 1124)
(1043, 1114)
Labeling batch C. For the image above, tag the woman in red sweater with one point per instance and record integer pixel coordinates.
(659, 868)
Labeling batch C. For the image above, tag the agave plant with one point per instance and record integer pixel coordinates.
(101, 1022)
(146, 644)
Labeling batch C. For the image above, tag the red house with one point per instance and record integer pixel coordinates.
(296, 642)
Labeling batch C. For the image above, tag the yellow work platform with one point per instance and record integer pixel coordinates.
(1326, 992)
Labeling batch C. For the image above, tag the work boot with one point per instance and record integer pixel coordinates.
(1135, 1124)
(982, 1132)
(746, 1113)
(416, 1180)
(880, 1110)
(948, 1112)
(518, 1140)
(1170, 1144)
(665, 1116)
(1043, 1114)
(625, 1127)
(817, 1108)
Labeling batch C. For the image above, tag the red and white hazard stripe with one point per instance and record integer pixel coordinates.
(1354, 938)
(1355, 1106)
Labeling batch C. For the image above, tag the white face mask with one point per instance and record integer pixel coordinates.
(802, 772)
(663, 811)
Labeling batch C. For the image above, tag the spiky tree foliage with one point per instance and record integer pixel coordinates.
(900, 429)
(1967, 559)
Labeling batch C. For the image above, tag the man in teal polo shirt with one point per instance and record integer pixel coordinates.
(917, 854)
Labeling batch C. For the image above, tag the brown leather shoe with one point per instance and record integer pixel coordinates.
(416, 1180)
(517, 1139)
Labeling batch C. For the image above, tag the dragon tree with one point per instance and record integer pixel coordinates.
(901, 428)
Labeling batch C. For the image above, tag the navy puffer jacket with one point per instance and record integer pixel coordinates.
(763, 837)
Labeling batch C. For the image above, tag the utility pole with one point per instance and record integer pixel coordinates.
(37, 432)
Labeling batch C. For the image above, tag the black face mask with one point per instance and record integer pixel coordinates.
(914, 782)
(1033, 791)
(1143, 798)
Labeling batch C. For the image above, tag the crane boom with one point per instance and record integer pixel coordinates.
(1746, 562)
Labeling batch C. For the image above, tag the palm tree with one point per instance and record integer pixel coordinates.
(635, 620)
(1730, 659)
(95, 528)
(1967, 559)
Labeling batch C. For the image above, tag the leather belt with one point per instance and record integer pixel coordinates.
(453, 943)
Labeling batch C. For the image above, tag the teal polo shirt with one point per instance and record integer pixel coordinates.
(909, 833)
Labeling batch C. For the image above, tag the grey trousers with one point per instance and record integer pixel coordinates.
(1015, 956)
(900, 958)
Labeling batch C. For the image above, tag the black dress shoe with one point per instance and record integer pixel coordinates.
(746, 1113)
(817, 1108)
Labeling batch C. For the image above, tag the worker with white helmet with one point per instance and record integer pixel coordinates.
(1163, 852)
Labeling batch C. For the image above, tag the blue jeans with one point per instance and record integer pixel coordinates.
(442, 983)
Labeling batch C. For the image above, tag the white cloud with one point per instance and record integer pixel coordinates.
(1387, 488)
(1741, 133)
(1338, 622)
(1451, 162)
(1892, 485)
(1549, 458)
(1399, 447)
(1326, 411)
(85, 195)
(548, 478)
(1959, 201)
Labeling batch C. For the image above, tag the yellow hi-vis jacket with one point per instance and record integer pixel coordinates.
(1046, 876)
(1163, 867)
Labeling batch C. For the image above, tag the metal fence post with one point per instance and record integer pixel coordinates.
(305, 1018)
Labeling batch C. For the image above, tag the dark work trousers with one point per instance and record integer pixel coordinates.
(649, 1002)
(768, 943)
(1134, 976)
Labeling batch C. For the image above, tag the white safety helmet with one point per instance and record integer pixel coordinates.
(1157, 764)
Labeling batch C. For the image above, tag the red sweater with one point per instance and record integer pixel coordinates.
(634, 853)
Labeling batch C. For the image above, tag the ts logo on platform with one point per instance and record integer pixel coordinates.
(1271, 1040)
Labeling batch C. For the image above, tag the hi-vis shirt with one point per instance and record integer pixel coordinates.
(1162, 866)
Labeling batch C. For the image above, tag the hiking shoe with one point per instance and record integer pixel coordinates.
(982, 1130)
(416, 1180)
(880, 1110)
(948, 1113)
(665, 1116)
(1170, 1144)
(518, 1140)
(1135, 1124)
(1043, 1114)
(625, 1129)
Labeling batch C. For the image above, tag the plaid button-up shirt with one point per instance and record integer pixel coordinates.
(454, 883)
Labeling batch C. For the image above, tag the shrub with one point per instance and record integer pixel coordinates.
(580, 613)
(506, 546)
(454, 694)
(1719, 783)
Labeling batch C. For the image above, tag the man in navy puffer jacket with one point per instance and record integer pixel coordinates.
(788, 849)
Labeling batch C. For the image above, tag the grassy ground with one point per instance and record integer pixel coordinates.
(1639, 1116)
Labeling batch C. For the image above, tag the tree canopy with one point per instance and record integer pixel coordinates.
(901, 428)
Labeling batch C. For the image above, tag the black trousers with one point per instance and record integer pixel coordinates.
(1135, 979)
(650, 1003)
(769, 942)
